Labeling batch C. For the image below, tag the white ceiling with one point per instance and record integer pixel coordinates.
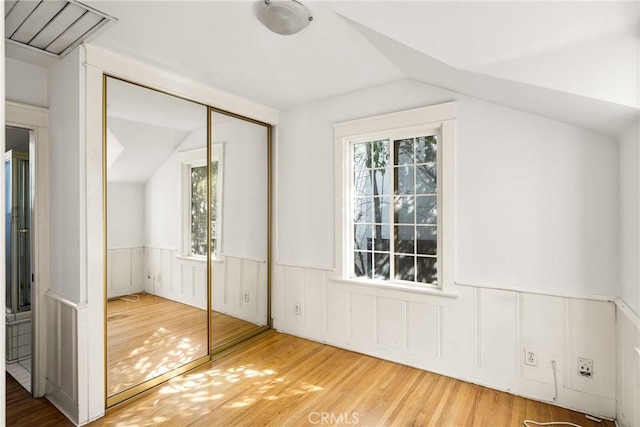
(138, 149)
(223, 45)
(572, 61)
(144, 128)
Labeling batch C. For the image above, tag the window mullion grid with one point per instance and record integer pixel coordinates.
(191, 211)
(352, 204)
(392, 209)
(414, 146)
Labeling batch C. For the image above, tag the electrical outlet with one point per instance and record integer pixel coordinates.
(296, 309)
(246, 296)
(585, 367)
(530, 357)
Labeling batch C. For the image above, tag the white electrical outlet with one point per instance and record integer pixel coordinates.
(296, 309)
(585, 367)
(246, 296)
(530, 357)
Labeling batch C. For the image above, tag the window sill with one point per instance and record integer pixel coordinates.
(417, 289)
(191, 258)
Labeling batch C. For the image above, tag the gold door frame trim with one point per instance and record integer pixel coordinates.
(111, 401)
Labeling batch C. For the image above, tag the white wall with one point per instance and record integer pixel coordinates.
(125, 239)
(65, 115)
(630, 216)
(536, 214)
(125, 215)
(26, 83)
(536, 200)
(163, 206)
(245, 192)
(628, 305)
(68, 289)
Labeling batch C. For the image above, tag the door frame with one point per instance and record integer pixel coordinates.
(36, 119)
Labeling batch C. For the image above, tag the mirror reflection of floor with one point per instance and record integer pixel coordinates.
(148, 336)
(224, 328)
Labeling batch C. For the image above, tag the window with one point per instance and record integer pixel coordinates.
(195, 202)
(394, 201)
(395, 188)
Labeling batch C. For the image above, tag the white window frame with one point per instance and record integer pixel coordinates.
(188, 160)
(435, 120)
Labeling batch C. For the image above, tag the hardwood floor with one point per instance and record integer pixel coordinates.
(282, 380)
(150, 337)
(25, 411)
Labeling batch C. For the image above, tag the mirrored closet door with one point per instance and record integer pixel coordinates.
(156, 237)
(187, 196)
(240, 178)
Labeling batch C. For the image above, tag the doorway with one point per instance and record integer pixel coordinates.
(18, 243)
(27, 132)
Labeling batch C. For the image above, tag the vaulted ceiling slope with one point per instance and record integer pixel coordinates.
(586, 112)
(571, 61)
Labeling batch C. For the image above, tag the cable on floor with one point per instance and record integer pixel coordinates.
(528, 423)
(130, 298)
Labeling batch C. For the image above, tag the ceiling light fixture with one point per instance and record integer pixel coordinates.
(284, 17)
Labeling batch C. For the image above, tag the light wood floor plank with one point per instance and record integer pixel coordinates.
(148, 335)
(282, 380)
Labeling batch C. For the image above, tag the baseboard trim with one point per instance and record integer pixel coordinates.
(63, 403)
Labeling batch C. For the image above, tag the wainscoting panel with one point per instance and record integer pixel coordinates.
(628, 372)
(390, 315)
(249, 288)
(362, 319)
(185, 280)
(422, 329)
(479, 336)
(543, 318)
(498, 331)
(234, 281)
(180, 279)
(218, 280)
(233, 277)
(590, 327)
(460, 337)
(315, 289)
(62, 353)
(125, 271)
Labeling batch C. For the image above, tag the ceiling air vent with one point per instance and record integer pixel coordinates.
(51, 26)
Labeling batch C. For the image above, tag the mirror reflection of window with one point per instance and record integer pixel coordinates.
(195, 205)
(198, 198)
